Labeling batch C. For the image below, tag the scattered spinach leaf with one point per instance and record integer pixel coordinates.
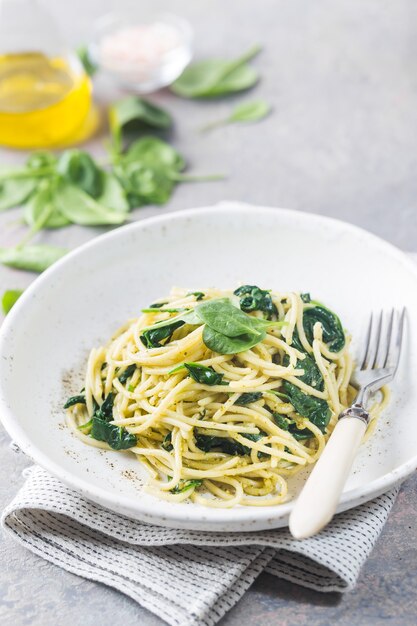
(216, 77)
(9, 299)
(113, 195)
(134, 114)
(80, 208)
(245, 112)
(80, 170)
(290, 425)
(89, 65)
(14, 192)
(31, 258)
(225, 444)
(117, 437)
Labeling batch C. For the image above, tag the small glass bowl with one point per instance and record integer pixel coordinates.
(146, 74)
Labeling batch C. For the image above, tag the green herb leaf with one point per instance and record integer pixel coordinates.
(199, 295)
(9, 299)
(134, 114)
(113, 195)
(216, 77)
(167, 443)
(41, 210)
(14, 192)
(245, 112)
(31, 258)
(152, 336)
(222, 344)
(224, 444)
(80, 399)
(80, 208)
(315, 409)
(80, 170)
(89, 65)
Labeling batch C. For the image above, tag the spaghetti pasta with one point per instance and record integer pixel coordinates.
(221, 395)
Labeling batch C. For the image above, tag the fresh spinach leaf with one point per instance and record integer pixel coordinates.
(9, 299)
(80, 399)
(216, 77)
(127, 373)
(31, 258)
(80, 170)
(134, 114)
(14, 192)
(222, 316)
(333, 334)
(113, 195)
(80, 208)
(230, 345)
(248, 398)
(89, 65)
(245, 112)
(41, 210)
(152, 337)
(252, 298)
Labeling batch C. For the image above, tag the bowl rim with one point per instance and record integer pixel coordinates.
(190, 517)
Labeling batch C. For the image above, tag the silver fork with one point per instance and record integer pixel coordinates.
(320, 496)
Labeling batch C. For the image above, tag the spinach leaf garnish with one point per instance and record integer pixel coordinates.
(31, 258)
(248, 398)
(333, 334)
(201, 374)
(185, 485)
(246, 112)
(117, 437)
(252, 298)
(80, 399)
(152, 336)
(127, 373)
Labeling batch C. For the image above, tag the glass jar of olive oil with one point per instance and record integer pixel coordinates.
(45, 95)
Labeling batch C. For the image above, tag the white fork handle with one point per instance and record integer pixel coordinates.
(317, 502)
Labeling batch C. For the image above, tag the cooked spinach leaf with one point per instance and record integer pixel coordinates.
(333, 334)
(80, 399)
(199, 295)
(185, 485)
(157, 305)
(305, 297)
(286, 423)
(252, 298)
(315, 409)
(224, 444)
(202, 374)
(152, 336)
(248, 398)
(117, 437)
(127, 373)
(167, 443)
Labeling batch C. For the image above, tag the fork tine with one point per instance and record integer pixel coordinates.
(384, 339)
(373, 344)
(394, 351)
(367, 342)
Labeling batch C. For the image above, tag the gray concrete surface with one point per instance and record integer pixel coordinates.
(342, 77)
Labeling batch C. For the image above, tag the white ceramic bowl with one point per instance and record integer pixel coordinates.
(78, 302)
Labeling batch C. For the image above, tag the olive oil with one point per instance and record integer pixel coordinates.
(44, 102)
